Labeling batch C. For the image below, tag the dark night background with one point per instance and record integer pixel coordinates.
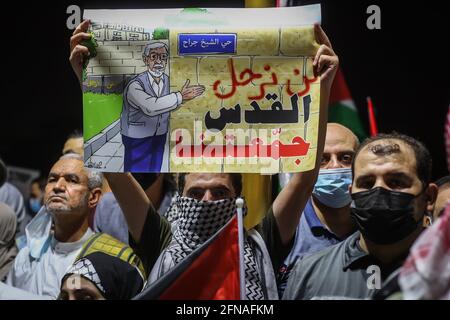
(403, 67)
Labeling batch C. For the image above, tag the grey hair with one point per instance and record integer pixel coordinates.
(95, 178)
(154, 45)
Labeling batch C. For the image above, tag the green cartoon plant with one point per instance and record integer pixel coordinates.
(91, 44)
(160, 33)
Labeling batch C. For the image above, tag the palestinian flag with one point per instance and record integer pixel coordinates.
(342, 108)
(211, 272)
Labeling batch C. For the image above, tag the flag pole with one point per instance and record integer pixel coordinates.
(372, 121)
(240, 205)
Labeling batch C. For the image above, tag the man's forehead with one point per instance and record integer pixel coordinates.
(160, 49)
(68, 166)
(74, 145)
(339, 137)
(210, 178)
(389, 147)
(336, 146)
(388, 153)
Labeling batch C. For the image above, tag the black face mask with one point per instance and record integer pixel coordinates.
(145, 179)
(384, 216)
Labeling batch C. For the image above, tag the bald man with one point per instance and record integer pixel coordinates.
(326, 218)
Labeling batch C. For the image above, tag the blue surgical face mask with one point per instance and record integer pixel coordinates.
(35, 205)
(331, 188)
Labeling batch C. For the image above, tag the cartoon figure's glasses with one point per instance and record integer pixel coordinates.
(162, 56)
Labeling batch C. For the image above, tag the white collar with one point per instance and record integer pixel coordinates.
(152, 80)
(39, 236)
(68, 247)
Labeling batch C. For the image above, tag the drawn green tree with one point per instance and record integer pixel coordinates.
(91, 44)
(160, 33)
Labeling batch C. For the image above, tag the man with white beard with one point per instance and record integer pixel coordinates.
(58, 231)
(147, 104)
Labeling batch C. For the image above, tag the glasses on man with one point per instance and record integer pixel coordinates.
(154, 56)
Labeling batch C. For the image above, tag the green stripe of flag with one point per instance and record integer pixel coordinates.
(347, 115)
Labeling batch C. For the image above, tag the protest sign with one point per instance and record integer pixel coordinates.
(202, 90)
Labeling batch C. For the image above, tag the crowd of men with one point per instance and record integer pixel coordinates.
(351, 228)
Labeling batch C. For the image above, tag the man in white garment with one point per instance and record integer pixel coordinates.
(56, 234)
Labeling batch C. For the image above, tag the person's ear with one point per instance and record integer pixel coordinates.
(431, 193)
(94, 197)
(427, 221)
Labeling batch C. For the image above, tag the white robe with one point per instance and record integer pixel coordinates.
(43, 276)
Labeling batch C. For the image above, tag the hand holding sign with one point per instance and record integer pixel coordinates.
(325, 62)
(78, 52)
(190, 92)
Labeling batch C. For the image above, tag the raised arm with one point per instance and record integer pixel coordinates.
(289, 205)
(132, 200)
(78, 51)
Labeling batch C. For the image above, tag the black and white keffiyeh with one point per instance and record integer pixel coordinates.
(85, 268)
(200, 220)
(195, 222)
(111, 266)
(172, 212)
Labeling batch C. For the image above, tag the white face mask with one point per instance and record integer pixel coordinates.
(38, 233)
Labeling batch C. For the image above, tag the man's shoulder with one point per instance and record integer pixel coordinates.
(140, 75)
(325, 258)
(22, 262)
(138, 79)
(317, 257)
(23, 253)
(9, 191)
(312, 272)
(106, 208)
(9, 187)
(165, 230)
(108, 199)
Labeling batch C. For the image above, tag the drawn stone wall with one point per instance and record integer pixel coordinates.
(284, 50)
(119, 57)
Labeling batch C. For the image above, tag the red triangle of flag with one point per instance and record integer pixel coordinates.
(212, 275)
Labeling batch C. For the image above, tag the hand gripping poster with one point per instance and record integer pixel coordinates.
(201, 90)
